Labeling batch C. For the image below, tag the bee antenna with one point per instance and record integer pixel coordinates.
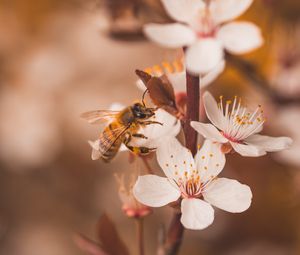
(143, 97)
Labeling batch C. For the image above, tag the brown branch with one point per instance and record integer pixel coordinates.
(174, 236)
(193, 102)
(173, 240)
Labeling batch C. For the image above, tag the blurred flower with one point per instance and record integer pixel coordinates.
(283, 121)
(203, 33)
(130, 206)
(155, 133)
(195, 182)
(238, 128)
(176, 74)
(285, 70)
(29, 131)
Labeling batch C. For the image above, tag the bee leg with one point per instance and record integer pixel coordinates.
(149, 122)
(140, 150)
(134, 149)
(140, 136)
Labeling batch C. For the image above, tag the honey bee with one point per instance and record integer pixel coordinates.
(124, 125)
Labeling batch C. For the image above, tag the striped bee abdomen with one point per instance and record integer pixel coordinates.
(110, 140)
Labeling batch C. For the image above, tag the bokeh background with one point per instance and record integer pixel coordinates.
(61, 58)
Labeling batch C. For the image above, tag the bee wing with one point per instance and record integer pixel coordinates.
(99, 116)
(107, 139)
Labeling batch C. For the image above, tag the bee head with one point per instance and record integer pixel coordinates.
(142, 112)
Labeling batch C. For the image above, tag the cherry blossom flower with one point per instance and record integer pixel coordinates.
(176, 74)
(236, 127)
(155, 133)
(200, 28)
(130, 206)
(194, 182)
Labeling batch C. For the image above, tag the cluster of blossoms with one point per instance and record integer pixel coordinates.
(193, 182)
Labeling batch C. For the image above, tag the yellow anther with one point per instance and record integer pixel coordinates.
(148, 70)
(211, 154)
(167, 67)
(205, 168)
(228, 102)
(178, 65)
(158, 70)
(203, 157)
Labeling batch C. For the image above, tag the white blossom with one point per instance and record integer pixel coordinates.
(194, 182)
(200, 27)
(235, 126)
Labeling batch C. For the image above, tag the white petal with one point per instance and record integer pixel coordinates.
(269, 143)
(174, 158)
(248, 150)
(228, 195)
(224, 10)
(183, 10)
(155, 191)
(240, 37)
(178, 80)
(208, 131)
(95, 149)
(140, 85)
(213, 74)
(170, 35)
(210, 160)
(213, 113)
(196, 213)
(123, 148)
(156, 133)
(203, 56)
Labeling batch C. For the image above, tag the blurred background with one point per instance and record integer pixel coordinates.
(61, 58)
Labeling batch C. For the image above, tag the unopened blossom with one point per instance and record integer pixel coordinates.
(130, 206)
(176, 74)
(155, 133)
(194, 183)
(237, 128)
(200, 28)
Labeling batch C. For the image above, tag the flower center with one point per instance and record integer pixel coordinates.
(238, 122)
(204, 25)
(191, 187)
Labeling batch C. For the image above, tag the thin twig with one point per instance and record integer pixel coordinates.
(147, 165)
(140, 235)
